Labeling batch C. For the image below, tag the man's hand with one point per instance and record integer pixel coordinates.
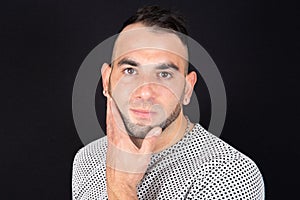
(126, 164)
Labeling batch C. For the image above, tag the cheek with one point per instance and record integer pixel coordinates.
(170, 99)
(172, 94)
(121, 93)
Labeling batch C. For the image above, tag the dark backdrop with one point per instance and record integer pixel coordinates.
(42, 44)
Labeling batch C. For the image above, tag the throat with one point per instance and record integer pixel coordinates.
(136, 141)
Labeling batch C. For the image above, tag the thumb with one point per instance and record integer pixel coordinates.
(149, 141)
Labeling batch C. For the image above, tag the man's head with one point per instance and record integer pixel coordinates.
(154, 16)
(148, 78)
(160, 20)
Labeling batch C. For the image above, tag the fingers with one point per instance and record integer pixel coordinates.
(114, 122)
(150, 140)
(156, 131)
(116, 116)
(109, 119)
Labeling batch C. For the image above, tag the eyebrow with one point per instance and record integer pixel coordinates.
(161, 66)
(127, 61)
(167, 66)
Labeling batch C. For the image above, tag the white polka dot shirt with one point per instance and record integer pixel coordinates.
(199, 166)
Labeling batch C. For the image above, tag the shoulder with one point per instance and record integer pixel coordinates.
(89, 158)
(89, 162)
(92, 152)
(224, 169)
(203, 144)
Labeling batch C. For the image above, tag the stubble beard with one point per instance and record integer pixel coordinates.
(141, 131)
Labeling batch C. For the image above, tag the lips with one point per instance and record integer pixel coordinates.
(142, 113)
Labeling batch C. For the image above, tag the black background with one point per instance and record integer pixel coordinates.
(43, 43)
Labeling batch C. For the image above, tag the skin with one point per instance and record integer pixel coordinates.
(146, 88)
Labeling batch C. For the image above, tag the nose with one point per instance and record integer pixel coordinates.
(146, 92)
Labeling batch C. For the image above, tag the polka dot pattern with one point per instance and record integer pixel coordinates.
(199, 166)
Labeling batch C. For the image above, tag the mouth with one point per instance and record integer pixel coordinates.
(145, 114)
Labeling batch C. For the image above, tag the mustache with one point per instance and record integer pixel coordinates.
(141, 103)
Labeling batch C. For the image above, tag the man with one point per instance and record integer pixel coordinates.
(153, 151)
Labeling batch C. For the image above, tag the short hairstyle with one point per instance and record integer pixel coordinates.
(162, 18)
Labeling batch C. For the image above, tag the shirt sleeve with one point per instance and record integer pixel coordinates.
(76, 177)
(229, 180)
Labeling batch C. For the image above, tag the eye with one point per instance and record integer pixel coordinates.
(129, 71)
(165, 75)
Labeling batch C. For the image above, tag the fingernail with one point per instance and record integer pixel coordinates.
(155, 132)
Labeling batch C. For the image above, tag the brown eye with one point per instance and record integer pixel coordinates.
(165, 75)
(129, 71)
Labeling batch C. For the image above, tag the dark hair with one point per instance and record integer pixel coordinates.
(162, 18)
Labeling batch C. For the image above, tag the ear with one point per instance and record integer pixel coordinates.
(105, 72)
(191, 80)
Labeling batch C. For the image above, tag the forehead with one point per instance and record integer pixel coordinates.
(148, 42)
(154, 57)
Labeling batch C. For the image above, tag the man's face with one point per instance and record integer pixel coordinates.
(148, 84)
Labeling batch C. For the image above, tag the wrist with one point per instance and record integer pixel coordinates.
(121, 191)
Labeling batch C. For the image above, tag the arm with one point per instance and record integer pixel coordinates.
(75, 177)
(125, 162)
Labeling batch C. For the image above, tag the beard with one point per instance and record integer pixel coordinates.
(141, 131)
